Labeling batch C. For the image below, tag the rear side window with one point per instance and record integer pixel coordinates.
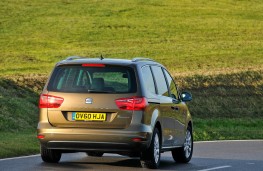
(160, 81)
(148, 79)
(78, 79)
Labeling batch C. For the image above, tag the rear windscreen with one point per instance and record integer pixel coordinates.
(108, 79)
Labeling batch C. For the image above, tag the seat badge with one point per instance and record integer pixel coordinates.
(89, 100)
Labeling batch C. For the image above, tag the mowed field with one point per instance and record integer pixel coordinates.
(187, 36)
(214, 49)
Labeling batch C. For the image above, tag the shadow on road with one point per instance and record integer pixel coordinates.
(111, 163)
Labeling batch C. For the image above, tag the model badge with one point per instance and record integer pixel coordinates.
(88, 100)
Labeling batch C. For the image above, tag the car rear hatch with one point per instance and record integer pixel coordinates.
(89, 111)
(88, 96)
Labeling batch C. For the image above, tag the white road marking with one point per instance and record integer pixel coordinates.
(250, 163)
(215, 168)
(22, 157)
(216, 141)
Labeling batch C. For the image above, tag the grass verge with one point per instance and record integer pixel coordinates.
(18, 143)
(227, 129)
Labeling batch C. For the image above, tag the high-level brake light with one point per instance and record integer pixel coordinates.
(93, 65)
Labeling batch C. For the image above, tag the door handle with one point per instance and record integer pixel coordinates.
(175, 108)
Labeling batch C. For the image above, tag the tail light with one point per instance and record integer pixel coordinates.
(40, 136)
(132, 103)
(48, 101)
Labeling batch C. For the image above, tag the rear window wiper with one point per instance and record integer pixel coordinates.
(100, 91)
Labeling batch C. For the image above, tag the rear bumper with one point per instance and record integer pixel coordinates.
(105, 140)
(97, 146)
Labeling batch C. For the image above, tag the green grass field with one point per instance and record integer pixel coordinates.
(187, 36)
(214, 49)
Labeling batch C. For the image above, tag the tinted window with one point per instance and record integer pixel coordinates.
(93, 79)
(160, 81)
(148, 79)
(171, 84)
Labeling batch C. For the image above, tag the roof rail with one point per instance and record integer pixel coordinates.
(73, 57)
(142, 59)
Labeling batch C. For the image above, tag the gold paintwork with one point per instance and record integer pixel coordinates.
(116, 132)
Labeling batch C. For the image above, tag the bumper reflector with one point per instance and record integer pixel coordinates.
(137, 139)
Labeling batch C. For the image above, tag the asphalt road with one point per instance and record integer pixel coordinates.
(222, 155)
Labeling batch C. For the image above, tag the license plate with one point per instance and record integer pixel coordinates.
(81, 116)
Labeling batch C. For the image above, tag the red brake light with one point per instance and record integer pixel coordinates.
(48, 101)
(132, 103)
(93, 65)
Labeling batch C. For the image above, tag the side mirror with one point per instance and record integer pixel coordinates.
(185, 96)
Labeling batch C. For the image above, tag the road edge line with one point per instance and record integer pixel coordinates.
(20, 157)
(215, 141)
(215, 168)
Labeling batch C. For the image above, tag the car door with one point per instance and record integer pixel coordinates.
(179, 110)
(166, 104)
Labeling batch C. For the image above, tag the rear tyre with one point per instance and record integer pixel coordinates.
(95, 154)
(50, 155)
(184, 154)
(151, 157)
